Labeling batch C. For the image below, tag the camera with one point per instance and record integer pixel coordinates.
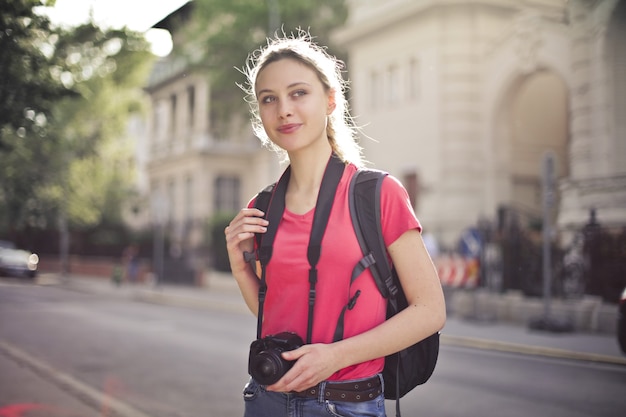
(265, 364)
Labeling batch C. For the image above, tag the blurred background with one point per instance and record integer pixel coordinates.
(126, 147)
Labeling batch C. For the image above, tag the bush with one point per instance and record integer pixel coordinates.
(216, 242)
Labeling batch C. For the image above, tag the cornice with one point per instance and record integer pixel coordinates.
(366, 22)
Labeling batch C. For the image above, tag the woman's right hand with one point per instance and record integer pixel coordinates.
(239, 234)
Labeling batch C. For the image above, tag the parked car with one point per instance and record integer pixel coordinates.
(621, 322)
(16, 262)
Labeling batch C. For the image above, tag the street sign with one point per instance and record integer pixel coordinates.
(548, 179)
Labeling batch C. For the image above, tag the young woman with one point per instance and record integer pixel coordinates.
(297, 98)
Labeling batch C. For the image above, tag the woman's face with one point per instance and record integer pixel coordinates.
(293, 104)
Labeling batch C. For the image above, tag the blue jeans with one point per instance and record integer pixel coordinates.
(262, 403)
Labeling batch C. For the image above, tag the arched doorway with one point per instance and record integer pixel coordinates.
(537, 122)
(531, 118)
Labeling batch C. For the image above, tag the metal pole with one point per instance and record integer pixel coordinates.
(159, 207)
(548, 200)
(64, 243)
(160, 250)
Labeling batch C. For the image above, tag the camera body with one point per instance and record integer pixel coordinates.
(265, 363)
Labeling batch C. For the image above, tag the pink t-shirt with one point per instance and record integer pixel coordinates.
(286, 304)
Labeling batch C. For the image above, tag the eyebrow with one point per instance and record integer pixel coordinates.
(292, 85)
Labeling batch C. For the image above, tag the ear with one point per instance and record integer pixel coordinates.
(332, 104)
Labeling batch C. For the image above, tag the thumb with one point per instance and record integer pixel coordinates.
(292, 355)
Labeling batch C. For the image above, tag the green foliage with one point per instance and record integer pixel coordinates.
(76, 159)
(215, 240)
(28, 89)
(108, 69)
(23, 171)
(226, 31)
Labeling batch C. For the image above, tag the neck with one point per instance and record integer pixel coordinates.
(307, 171)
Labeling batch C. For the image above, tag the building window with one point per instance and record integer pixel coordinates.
(160, 121)
(414, 79)
(376, 89)
(191, 104)
(393, 85)
(227, 190)
(173, 105)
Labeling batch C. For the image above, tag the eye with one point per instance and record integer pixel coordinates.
(267, 99)
(299, 93)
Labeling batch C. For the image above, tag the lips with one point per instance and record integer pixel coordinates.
(289, 128)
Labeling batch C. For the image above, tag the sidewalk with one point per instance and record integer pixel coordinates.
(482, 331)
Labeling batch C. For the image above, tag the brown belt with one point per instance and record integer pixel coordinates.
(356, 391)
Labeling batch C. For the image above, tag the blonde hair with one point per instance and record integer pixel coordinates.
(340, 128)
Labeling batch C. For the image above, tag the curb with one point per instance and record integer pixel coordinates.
(490, 344)
(154, 297)
(69, 384)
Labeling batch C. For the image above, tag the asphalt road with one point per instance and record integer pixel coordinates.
(74, 354)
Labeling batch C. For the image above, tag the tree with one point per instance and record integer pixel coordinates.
(226, 31)
(27, 86)
(108, 69)
(76, 166)
(28, 91)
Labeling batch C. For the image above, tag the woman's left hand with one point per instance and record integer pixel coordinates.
(314, 364)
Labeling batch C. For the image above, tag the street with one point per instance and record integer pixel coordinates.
(65, 353)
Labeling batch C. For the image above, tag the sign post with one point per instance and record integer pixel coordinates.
(547, 322)
(548, 203)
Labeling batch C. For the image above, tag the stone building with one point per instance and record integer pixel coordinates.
(462, 99)
(459, 99)
(194, 170)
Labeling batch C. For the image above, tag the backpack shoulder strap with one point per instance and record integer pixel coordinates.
(261, 202)
(365, 211)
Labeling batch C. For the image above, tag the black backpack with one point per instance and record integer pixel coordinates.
(415, 364)
(411, 366)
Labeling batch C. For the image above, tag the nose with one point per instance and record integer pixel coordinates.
(284, 108)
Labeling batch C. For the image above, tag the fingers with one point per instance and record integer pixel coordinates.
(313, 364)
(239, 234)
(245, 224)
(293, 355)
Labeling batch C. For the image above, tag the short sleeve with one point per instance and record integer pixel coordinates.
(397, 214)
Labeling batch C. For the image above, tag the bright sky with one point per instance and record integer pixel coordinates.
(138, 15)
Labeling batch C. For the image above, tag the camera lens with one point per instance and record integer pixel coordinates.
(266, 364)
(268, 367)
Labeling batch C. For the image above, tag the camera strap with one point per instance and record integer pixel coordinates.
(274, 209)
(274, 213)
